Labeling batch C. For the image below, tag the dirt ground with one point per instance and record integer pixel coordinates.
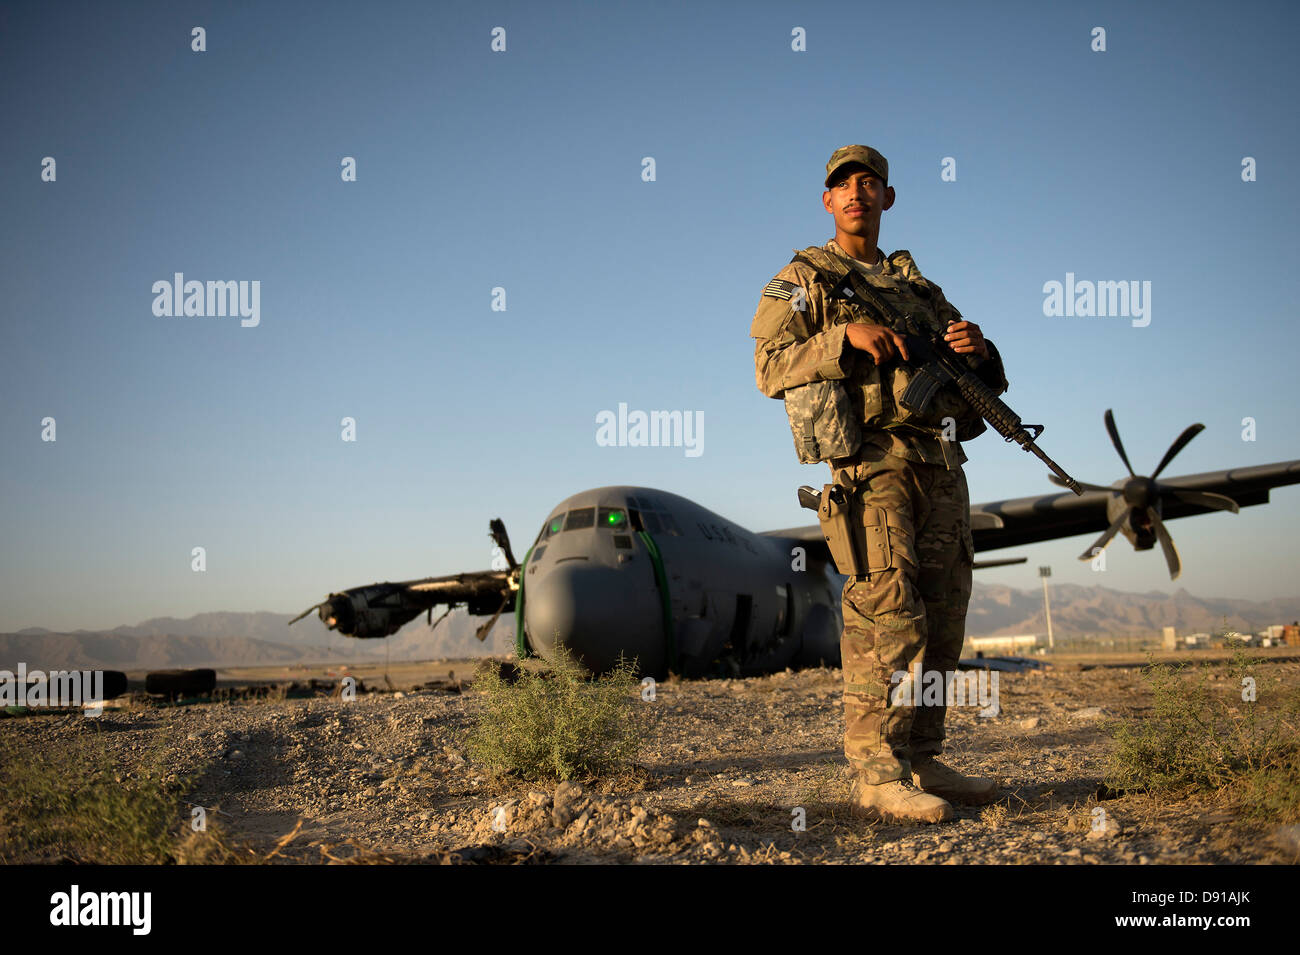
(729, 771)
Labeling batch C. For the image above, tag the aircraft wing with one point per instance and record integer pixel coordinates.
(378, 610)
(1029, 520)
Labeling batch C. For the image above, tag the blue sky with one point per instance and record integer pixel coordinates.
(522, 170)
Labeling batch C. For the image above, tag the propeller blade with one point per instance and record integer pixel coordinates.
(1219, 502)
(482, 631)
(1179, 443)
(497, 531)
(1087, 487)
(307, 611)
(1114, 439)
(1166, 544)
(1101, 542)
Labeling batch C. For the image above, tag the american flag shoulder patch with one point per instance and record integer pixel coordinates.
(780, 288)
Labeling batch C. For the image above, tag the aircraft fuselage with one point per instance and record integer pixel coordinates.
(651, 575)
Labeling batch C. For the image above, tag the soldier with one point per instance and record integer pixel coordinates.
(841, 368)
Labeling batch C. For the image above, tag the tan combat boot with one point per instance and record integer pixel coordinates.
(898, 801)
(940, 780)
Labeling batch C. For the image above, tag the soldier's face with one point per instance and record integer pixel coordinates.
(856, 199)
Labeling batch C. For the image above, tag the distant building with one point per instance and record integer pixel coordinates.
(1196, 641)
(1170, 641)
(1022, 643)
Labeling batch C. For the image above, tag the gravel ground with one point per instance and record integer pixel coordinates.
(729, 770)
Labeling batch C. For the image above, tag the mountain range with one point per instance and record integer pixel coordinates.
(234, 639)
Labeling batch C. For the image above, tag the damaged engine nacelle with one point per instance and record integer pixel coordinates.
(379, 610)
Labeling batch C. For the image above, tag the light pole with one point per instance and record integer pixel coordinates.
(1046, 572)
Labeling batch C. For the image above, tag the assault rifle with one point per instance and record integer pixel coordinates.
(936, 365)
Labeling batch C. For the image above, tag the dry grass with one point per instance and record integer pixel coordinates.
(1203, 738)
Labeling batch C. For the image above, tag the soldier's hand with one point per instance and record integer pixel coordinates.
(966, 338)
(883, 343)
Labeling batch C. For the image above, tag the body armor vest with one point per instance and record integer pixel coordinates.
(874, 391)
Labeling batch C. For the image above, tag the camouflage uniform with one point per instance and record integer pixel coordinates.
(913, 608)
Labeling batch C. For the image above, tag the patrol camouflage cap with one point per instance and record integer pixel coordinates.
(865, 155)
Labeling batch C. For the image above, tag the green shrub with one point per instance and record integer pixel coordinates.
(1203, 739)
(558, 724)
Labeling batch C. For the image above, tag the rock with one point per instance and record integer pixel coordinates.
(923, 855)
(1286, 838)
(944, 847)
(1073, 853)
(1088, 713)
(566, 796)
(1029, 724)
(562, 815)
(742, 782)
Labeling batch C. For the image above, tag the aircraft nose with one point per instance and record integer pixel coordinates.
(595, 611)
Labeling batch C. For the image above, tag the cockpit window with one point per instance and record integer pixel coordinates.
(651, 522)
(553, 526)
(613, 518)
(580, 517)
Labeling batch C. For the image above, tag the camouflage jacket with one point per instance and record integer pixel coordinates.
(800, 339)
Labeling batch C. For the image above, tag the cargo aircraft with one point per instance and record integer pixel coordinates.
(641, 573)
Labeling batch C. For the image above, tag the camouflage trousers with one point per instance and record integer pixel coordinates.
(914, 611)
